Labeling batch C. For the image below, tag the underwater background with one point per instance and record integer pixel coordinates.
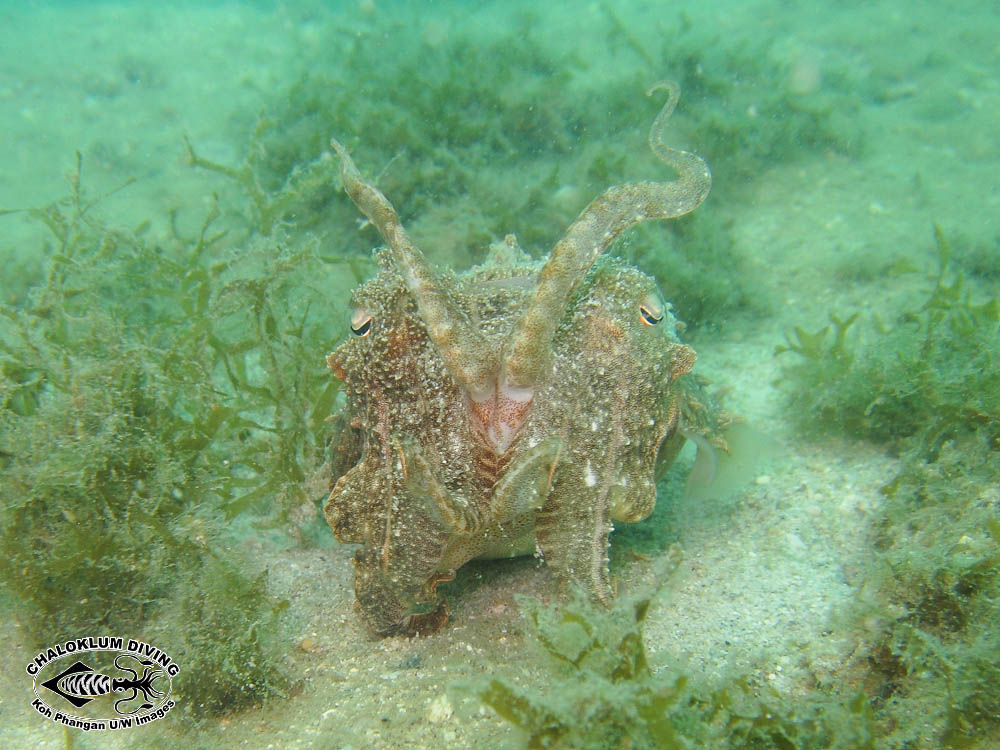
(177, 259)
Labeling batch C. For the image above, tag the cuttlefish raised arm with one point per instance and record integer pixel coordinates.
(511, 409)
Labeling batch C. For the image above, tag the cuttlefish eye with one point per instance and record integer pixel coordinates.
(650, 311)
(361, 322)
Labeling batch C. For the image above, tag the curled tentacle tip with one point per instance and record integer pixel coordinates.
(666, 83)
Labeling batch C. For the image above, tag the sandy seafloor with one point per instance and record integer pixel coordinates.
(764, 572)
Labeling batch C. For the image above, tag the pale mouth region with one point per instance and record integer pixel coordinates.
(498, 413)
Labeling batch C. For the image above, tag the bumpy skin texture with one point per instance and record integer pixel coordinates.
(520, 407)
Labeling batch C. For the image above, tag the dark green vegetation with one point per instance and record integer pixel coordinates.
(603, 693)
(928, 378)
(928, 388)
(466, 160)
(937, 663)
(149, 395)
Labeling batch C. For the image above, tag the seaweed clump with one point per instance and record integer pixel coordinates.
(930, 378)
(928, 388)
(603, 693)
(149, 395)
(936, 585)
(246, 667)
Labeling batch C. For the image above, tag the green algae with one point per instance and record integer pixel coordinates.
(604, 692)
(929, 377)
(539, 131)
(235, 655)
(270, 207)
(936, 583)
(610, 696)
(928, 389)
(149, 394)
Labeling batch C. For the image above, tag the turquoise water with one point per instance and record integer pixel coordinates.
(178, 257)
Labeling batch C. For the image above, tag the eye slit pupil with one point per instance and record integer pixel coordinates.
(648, 316)
(364, 329)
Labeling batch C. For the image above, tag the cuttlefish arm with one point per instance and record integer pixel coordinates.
(461, 345)
(615, 210)
(573, 526)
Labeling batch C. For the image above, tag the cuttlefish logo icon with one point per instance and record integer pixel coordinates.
(79, 684)
(111, 683)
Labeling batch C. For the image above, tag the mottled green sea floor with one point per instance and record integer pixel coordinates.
(858, 557)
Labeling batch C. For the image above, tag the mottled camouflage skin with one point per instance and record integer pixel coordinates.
(522, 406)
